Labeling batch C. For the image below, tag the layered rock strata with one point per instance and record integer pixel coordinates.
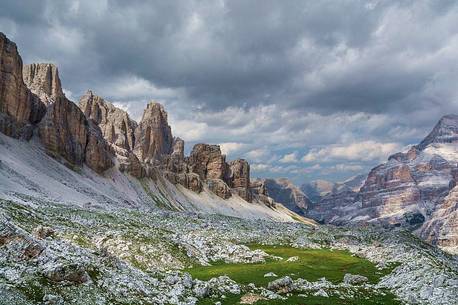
(415, 189)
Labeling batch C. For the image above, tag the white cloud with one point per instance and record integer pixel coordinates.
(190, 130)
(361, 151)
(256, 154)
(260, 167)
(289, 158)
(231, 147)
(343, 168)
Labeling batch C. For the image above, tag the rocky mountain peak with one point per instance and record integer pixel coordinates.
(43, 80)
(445, 131)
(116, 126)
(153, 135)
(155, 110)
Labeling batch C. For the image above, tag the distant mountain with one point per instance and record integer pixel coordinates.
(315, 190)
(318, 189)
(416, 189)
(285, 192)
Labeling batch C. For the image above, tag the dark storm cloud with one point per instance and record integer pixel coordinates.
(234, 52)
(252, 73)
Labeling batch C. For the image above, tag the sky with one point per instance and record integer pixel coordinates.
(302, 89)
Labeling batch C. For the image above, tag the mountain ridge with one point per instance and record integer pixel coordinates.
(143, 158)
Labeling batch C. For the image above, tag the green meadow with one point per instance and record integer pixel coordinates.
(311, 264)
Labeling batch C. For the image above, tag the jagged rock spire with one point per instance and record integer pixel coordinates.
(153, 136)
(43, 80)
(116, 126)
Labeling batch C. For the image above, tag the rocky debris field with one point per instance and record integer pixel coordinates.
(51, 254)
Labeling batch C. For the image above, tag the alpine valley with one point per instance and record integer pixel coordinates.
(96, 208)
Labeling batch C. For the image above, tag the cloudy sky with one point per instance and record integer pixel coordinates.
(302, 89)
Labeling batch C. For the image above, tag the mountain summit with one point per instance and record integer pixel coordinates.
(445, 132)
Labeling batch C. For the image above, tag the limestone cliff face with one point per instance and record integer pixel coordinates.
(18, 106)
(442, 227)
(259, 192)
(116, 126)
(238, 178)
(207, 165)
(98, 154)
(176, 169)
(43, 80)
(64, 131)
(153, 136)
(62, 127)
(210, 165)
(208, 162)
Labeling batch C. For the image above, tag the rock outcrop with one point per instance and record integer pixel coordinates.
(445, 132)
(442, 227)
(62, 127)
(18, 105)
(43, 80)
(258, 191)
(238, 178)
(153, 136)
(219, 187)
(116, 126)
(141, 147)
(64, 131)
(98, 154)
(208, 162)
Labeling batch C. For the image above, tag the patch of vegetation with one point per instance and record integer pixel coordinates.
(22, 214)
(362, 298)
(312, 264)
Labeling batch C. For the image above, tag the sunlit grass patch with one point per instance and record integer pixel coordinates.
(309, 264)
(312, 264)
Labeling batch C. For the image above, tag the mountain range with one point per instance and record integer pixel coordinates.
(97, 208)
(416, 190)
(93, 153)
